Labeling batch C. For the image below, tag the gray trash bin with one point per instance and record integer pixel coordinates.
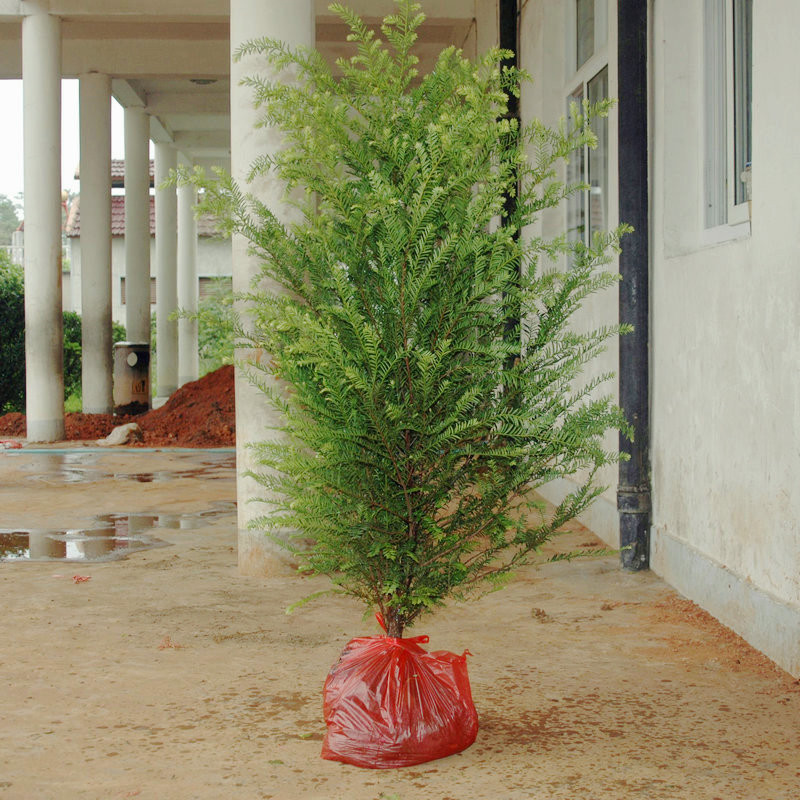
(131, 378)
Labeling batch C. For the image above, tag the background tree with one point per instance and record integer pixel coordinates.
(416, 430)
(9, 218)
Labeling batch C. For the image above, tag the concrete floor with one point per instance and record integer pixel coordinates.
(167, 675)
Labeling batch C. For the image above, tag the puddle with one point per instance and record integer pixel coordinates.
(115, 536)
(91, 544)
(188, 521)
(83, 467)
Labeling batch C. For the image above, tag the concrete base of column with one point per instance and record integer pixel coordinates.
(261, 557)
(258, 553)
(45, 430)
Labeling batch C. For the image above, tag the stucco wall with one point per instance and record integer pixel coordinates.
(725, 343)
(213, 260)
(543, 44)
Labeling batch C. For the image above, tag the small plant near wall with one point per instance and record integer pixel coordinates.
(434, 379)
(216, 326)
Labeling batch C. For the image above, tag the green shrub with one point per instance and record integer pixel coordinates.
(420, 414)
(12, 336)
(72, 354)
(73, 350)
(216, 326)
(12, 341)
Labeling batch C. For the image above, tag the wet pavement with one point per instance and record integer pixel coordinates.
(166, 674)
(89, 515)
(89, 464)
(113, 536)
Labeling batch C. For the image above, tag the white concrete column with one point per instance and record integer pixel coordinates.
(295, 25)
(137, 225)
(166, 272)
(96, 340)
(44, 359)
(188, 360)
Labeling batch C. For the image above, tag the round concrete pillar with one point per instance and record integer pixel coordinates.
(95, 173)
(293, 23)
(137, 225)
(188, 362)
(166, 272)
(44, 360)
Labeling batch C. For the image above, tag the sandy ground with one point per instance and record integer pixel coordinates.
(167, 675)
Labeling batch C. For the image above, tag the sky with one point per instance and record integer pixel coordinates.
(11, 181)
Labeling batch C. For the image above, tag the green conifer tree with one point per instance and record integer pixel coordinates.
(416, 428)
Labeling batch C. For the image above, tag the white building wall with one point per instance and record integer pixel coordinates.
(213, 261)
(726, 344)
(544, 31)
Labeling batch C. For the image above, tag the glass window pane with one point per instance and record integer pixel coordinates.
(743, 94)
(576, 202)
(597, 90)
(585, 31)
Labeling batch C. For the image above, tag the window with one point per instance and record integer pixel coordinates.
(742, 96)
(584, 30)
(587, 211)
(576, 173)
(587, 26)
(728, 105)
(597, 159)
(208, 287)
(152, 291)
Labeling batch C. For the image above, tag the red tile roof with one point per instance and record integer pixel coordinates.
(205, 225)
(118, 172)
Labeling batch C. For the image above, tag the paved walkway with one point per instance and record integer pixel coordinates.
(167, 675)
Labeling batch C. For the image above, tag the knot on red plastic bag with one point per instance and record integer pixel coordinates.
(416, 639)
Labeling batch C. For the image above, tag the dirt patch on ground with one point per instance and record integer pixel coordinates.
(199, 414)
(698, 631)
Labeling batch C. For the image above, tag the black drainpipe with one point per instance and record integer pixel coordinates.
(509, 40)
(633, 495)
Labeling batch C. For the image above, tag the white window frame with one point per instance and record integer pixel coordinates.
(737, 212)
(579, 79)
(600, 40)
(719, 191)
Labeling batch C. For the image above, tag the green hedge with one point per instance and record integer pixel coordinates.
(12, 341)
(12, 336)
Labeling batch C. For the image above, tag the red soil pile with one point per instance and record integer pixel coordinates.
(12, 424)
(199, 414)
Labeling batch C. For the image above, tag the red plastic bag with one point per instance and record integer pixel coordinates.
(390, 703)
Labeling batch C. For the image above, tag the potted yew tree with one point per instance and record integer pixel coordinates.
(434, 380)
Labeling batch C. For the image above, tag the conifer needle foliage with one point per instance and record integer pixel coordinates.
(421, 413)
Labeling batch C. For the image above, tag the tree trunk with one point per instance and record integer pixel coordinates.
(394, 625)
